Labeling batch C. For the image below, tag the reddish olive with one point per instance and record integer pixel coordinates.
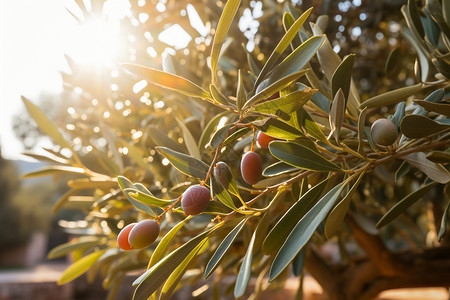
(195, 199)
(384, 132)
(143, 234)
(122, 237)
(264, 140)
(251, 167)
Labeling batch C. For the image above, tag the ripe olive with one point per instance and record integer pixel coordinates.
(264, 140)
(384, 132)
(251, 167)
(143, 234)
(195, 199)
(221, 172)
(122, 237)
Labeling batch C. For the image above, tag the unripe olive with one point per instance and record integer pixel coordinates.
(143, 234)
(122, 237)
(251, 167)
(195, 199)
(264, 140)
(384, 132)
(221, 172)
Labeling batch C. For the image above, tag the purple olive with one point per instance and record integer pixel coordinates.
(195, 199)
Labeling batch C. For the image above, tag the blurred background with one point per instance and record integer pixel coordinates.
(41, 41)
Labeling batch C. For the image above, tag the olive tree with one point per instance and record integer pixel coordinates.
(365, 175)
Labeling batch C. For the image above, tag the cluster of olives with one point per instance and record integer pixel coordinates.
(195, 199)
(138, 235)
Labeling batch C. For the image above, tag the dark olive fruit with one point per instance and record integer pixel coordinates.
(143, 234)
(384, 132)
(264, 140)
(195, 199)
(251, 167)
(221, 172)
(122, 238)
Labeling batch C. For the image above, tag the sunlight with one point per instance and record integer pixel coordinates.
(95, 44)
(98, 41)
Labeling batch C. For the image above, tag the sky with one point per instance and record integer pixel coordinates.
(33, 38)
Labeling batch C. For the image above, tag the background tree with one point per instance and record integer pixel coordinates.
(137, 149)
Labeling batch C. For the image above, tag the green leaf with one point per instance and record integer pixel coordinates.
(220, 135)
(217, 95)
(226, 18)
(295, 61)
(423, 60)
(209, 129)
(217, 208)
(444, 222)
(287, 222)
(391, 97)
(184, 163)
(439, 157)
(217, 190)
(440, 108)
(310, 126)
(304, 230)
(222, 249)
(403, 204)
(163, 245)
(168, 81)
(48, 157)
(301, 156)
(189, 140)
(336, 217)
(317, 98)
(149, 200)
(282, 45)
(241, 94)
(279, 168)
(361, 125)
(79, 267)
(272, 88)
(53, 170)
(81, 243)
(417, 126)
(337, 114)
(162, 139)
(399, 114)
(298, 263)
(402, 170)
(412, 18)
(278, 129)
(235, 135)
(125, 184)
(245, 270)
(342, 77)
(154, 277)
(46, 125)
(435, 172)
(175, 277)
(285, 105)
(392, 60)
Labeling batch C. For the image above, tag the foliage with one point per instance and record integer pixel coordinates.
(138, 150)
